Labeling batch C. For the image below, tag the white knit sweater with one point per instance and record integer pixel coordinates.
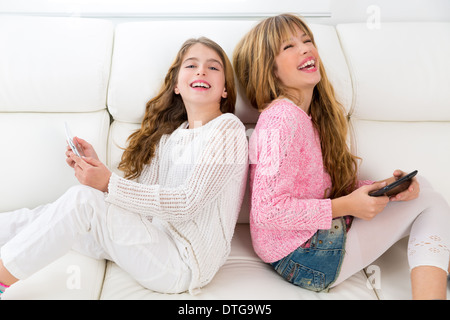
(194, 185)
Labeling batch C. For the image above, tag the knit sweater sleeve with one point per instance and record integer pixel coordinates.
(206, 179)
(364, 183)
(279, 143)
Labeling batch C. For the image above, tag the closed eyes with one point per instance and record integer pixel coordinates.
(291, 45)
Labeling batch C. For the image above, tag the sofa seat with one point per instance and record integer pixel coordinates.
(243, 277)
(71, 277)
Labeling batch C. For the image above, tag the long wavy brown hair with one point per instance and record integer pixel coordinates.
(254, 64)
(166, 112)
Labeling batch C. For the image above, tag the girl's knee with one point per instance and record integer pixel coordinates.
(81, 196)
(433, 197)
(424, 183)
(82, 192)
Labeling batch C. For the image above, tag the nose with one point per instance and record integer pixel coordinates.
(201, 70)
(304, 48)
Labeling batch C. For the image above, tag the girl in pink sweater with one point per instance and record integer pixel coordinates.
(310, 216)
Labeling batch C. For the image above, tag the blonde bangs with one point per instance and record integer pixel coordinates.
(285, 27)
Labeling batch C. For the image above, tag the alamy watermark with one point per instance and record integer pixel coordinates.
(373, 273)
(73, 281)
(374, 19)
(226, 147)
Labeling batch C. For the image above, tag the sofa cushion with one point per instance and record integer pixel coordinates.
(399, 71)
(35, 172)
(72, 277)
(244, 276)
(385, 146)
(54, 64)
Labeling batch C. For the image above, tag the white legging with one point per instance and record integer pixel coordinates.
(81, 220)
(426, 220)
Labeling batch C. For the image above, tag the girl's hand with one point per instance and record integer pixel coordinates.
(367, 207)
(359, 204)
(91, 172)
(87, 149)
(409, 194)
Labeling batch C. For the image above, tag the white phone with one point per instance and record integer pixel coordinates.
(76, 148)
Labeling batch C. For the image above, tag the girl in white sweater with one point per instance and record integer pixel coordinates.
(169, 220)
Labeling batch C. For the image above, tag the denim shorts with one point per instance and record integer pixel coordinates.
(315, 265)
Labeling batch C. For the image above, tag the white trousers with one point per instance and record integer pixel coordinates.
(426, 220)
(81, 220)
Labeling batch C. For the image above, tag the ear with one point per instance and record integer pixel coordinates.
(224, 93)
(176, 90)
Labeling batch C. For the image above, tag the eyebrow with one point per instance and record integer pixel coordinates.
(290, 39)
(209, 60)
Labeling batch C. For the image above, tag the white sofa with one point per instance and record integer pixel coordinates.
(97, 76)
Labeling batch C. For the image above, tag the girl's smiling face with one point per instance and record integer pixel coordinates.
(297, 64)
(201, 79)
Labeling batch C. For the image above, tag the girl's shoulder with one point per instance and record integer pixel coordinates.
(283, 111)
(222, 121)
(229, 119)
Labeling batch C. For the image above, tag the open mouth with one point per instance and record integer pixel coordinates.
(200, 85)
(309, 65)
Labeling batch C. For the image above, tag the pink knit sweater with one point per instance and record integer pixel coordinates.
(288, 182)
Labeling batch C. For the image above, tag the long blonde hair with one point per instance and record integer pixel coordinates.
(166, 112)
(254, 64)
